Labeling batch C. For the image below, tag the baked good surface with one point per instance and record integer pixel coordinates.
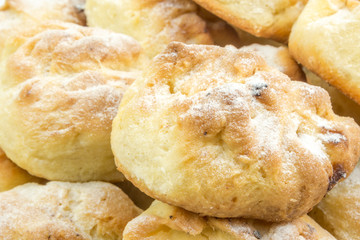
(334, 24)
(59, 93)
(339, 211)
(270, 19)
(17, 16)
(11, 175)
(162, 221)
(153, 23)
(218, 132)
(61, 210)
(279, 58)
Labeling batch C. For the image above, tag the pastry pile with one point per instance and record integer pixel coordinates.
(202, 106)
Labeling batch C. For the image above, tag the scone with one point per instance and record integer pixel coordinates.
(342, 105)
(325, 39)
(218, 132)
(270, 19)
(60, 210)
(165, 222)
(339, 211)
(59, 94)
(153, 23)
(11, 175)
(278, 58)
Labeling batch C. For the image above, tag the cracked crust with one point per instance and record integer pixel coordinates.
(339, 211)
(60, 210)
(162, 221)
(270, 19)
(335, 24)
(228, 136)
(60, 91)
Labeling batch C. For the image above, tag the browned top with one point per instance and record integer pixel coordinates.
(61, 89)
(228, 136)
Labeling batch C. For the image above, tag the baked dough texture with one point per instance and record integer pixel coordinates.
(262, 18)
(218, 132)
(278, 58)
(342, 105)
(11, 175)
(325, 40)
(153, 23)
(59, 94)
(17, 16)
(339, 211)
(165, 222)
(61, 210)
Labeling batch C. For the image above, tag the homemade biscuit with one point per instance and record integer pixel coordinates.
(325, 39)
(342, 105)
(153, 23)
(165, 222)
(61, 210)
(59, 93)
(270, 19)
(11, 175)
(339, 211)
(218, 132)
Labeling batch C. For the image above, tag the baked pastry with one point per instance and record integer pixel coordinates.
(270, 19)
(11, 175)
(228, 136)
(59, 93)
(153, 23)
(165, 222)
(331, 52)
(61, 210)
(278, 58)
(342, 105)
(339, 211)
(17, 16)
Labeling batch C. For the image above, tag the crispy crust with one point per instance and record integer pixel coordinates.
(270, 19)
(61, 210)
(61, 89)
(335, 24)
(228, 136)
(162, 221)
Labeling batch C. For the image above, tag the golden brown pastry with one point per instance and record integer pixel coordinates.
(153, 23)
(218, 132)
(11, 175)
(270, 19)
(61, 210)
(165, 222)
(342, 105)
(325, 40)
(278, 58)
(59, 94)
(339, 211)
